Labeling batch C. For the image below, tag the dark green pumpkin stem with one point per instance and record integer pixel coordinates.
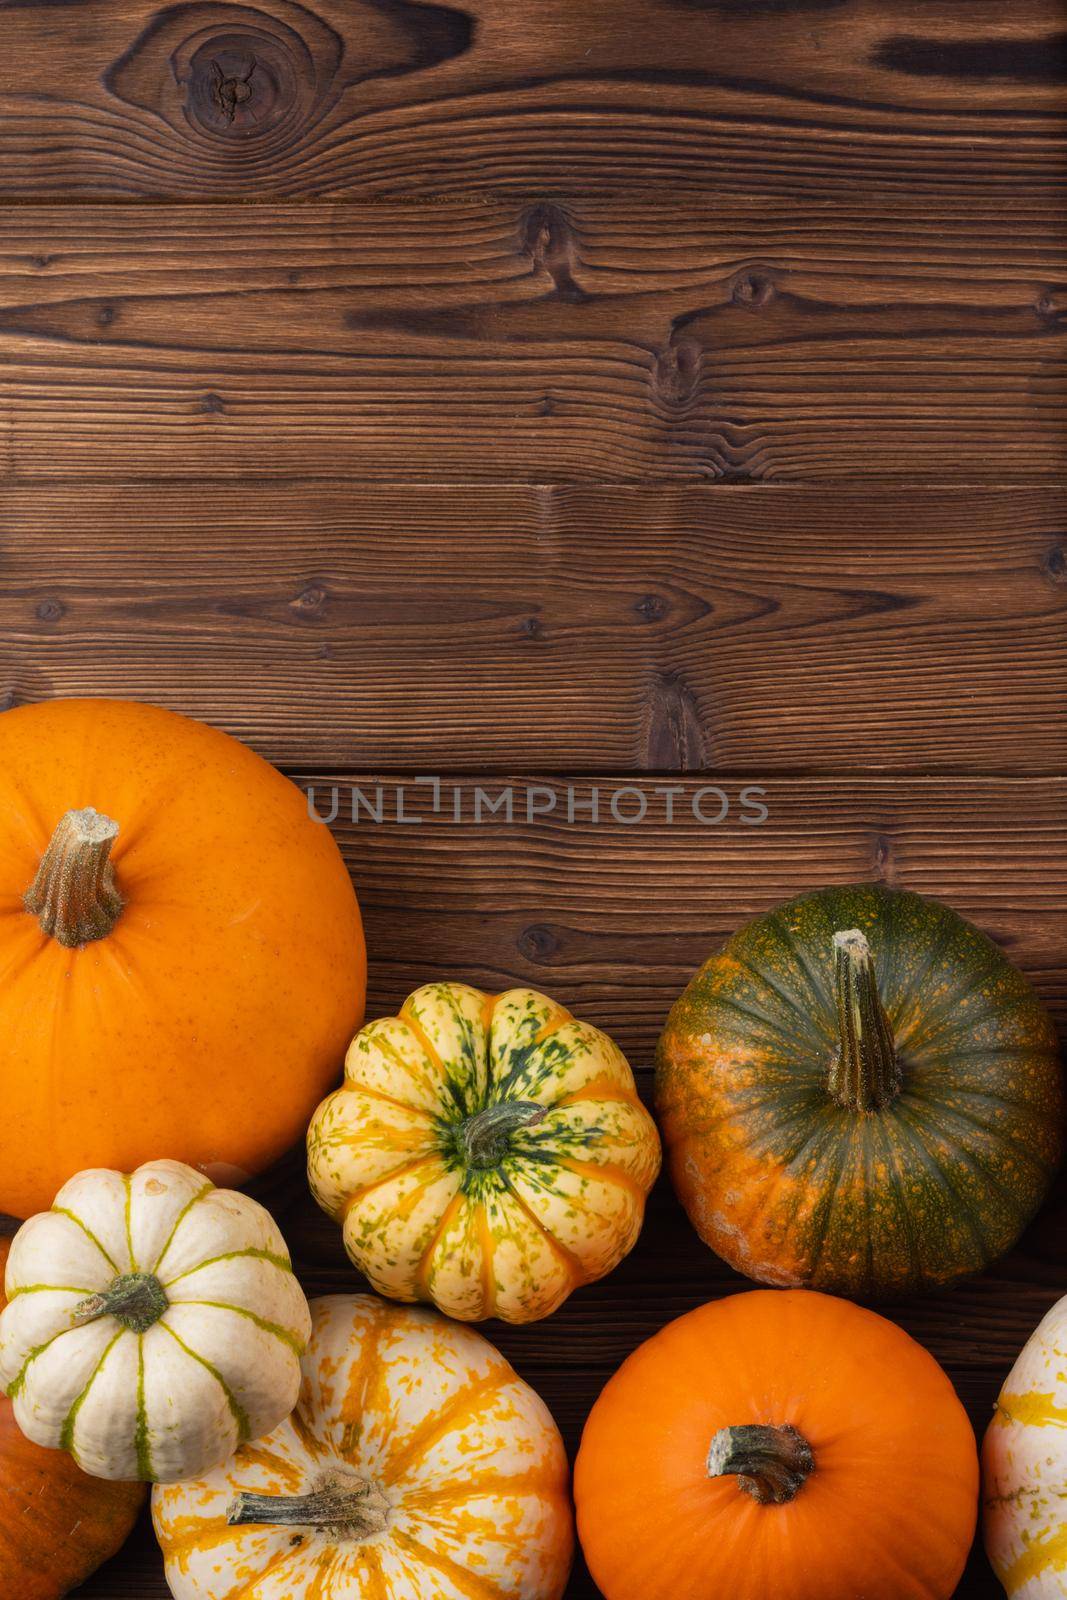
(483, 1140)
(357, 1511)
(865, 1073)
(137, 1300)
(770, 1464)
(74, 896)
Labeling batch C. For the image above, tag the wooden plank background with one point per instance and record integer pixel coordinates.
(589, 339)
(563, 395)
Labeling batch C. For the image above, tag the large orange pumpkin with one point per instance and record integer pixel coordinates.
(56, 1523)
(781, 1444)
(181, 955)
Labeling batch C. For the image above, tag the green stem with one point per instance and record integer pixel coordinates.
(770, 1464)
(137, 1300)
(484, 1139)
(74, 896)
(865, 1074)
(356, 1511)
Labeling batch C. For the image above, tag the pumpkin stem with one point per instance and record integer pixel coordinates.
(484, 1139)
(356, 1511)
(137, 1300)
(770, 1464)
(865, 1073)
(74, 896)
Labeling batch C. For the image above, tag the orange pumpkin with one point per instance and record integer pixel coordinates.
(781, 1444)
(56, 1524)
(181, 954)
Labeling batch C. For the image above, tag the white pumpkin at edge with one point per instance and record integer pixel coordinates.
(416, 1466)
(1024, 1468)
(154, 1323)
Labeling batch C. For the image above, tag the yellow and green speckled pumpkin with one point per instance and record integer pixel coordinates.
(488, 1153)
(860, 1094)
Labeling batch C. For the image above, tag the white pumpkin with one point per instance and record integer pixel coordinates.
(416, 1466)
(1024, 1468)
(153, 1323)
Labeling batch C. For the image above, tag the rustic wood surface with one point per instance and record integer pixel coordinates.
(541, 341)
(396, 97)
(652, 397)
(557, 627)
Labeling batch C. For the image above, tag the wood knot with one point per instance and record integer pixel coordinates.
(884, 860)
(257, 77)
(1054, 565)
(652, 607)
(106, 316)
(212, 404)
(1048, 310)
(677, 370)
(236, 72)
(233, 92)
(752, 289)
(538, 943)
(532, 627)
(311, 600)
(548, 236)
(50, 610)
(242, 84)
(674, 734)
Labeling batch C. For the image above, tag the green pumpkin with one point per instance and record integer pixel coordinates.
(860, 1093)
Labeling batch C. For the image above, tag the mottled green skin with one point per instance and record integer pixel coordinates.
(792, 1188)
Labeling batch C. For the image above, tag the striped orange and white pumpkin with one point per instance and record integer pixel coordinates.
(153, 1323)
(487, 1153)
(416, 1466)
(1024, 1468)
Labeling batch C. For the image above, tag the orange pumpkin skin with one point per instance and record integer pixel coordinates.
(210, 1020)
(57, 1525)
(888, 1511)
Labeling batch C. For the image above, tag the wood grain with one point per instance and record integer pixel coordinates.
(684, 394)
(396, 97)
(613, 920)
(585, 628)
(554, 341)
(614, 917)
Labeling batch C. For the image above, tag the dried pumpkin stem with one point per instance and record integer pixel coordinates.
(355, 1511)
(74, 896)
(484, 1139)
(865, 1074)
(137, 1300)
(771, 1464)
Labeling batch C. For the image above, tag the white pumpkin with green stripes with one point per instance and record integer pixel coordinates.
(153, 1323)
(1024, 1468)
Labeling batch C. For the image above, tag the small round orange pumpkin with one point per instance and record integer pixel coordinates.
(181, 954)
(56, 1523)
(781, 1444)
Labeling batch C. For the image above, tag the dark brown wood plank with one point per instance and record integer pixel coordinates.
(391, 97)
(585, 340)
(613, 920)
(762, 629)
